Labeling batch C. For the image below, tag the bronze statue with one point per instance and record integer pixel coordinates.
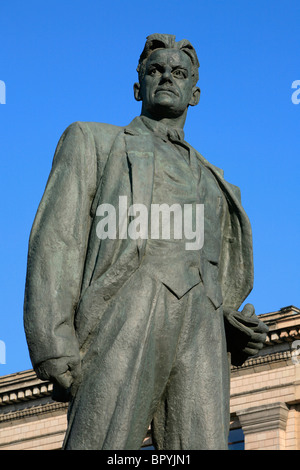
(135, 329)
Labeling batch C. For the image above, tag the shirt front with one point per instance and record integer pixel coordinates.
(180, 180)
(176, 184)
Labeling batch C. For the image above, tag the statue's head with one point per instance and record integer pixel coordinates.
(168, 74)
(167, 41)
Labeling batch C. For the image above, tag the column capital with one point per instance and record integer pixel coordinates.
(264, 417)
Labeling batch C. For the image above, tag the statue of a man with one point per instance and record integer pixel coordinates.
(135, 329)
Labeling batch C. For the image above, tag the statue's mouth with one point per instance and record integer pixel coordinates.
(166, 90)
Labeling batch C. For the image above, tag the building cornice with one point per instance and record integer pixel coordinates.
(264, 418)
(263, 360)
(33, 411)
(21, 387)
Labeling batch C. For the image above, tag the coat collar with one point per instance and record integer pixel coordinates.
(143, 124)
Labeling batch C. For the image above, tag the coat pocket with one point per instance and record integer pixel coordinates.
(96, 297)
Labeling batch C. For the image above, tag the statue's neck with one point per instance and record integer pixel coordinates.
(173, 122)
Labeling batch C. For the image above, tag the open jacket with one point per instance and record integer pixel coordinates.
(71, 272)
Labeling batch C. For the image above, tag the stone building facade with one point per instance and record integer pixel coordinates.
(265, 391)
(265, 398)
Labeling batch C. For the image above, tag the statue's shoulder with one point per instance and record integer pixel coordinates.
(102, 128)
(97, 135)
(97, 130)
(103, 134)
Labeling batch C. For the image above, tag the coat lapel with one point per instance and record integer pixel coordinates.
(140, 154)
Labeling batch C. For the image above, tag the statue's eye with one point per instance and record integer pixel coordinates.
(152, 71)
(179, 73)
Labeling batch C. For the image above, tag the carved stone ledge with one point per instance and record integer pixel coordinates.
(33, 411)
(26, 394)
(263, 418)
(260, 361)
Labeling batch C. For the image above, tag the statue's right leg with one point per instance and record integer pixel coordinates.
(126, 368)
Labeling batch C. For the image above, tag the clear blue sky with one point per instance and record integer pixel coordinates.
(64, 61)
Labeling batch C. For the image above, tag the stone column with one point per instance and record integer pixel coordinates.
(264, 426)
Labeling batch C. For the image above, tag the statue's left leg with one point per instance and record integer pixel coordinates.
(194, 411)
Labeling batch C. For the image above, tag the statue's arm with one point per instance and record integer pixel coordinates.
(56, 256)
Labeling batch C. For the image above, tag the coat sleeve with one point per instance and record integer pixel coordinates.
(57, 247)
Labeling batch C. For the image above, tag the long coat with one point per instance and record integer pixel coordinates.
(71, 272)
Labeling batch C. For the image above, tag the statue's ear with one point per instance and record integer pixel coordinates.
(195, 96)
(136, 90)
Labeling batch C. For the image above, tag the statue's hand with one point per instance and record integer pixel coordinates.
(63, 371)
(245, 333)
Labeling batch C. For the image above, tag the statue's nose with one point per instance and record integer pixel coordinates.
(167, 76)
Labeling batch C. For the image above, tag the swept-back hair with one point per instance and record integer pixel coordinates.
(167, 41)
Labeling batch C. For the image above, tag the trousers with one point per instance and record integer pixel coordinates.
(154, 359)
